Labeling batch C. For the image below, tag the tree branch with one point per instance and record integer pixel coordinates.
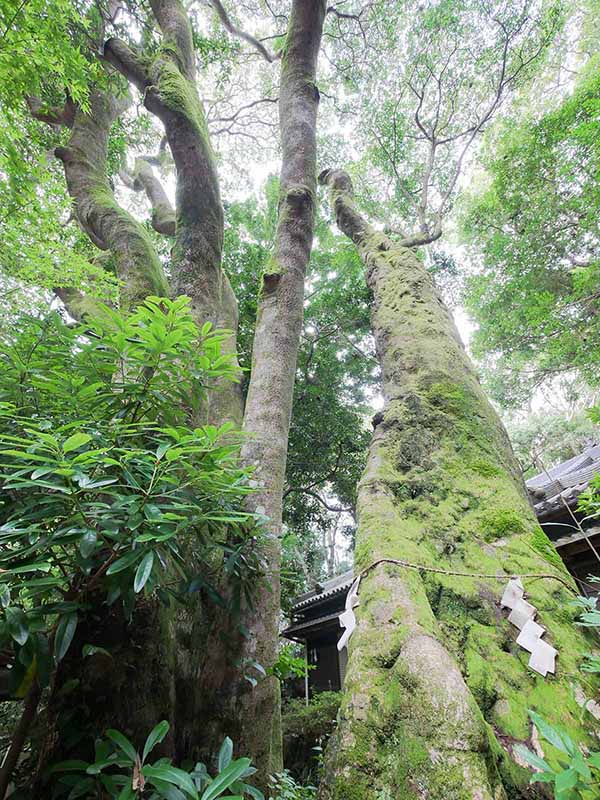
(247, 37)
(144, 179)
(324, 503)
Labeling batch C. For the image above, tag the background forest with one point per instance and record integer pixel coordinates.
(204, 345)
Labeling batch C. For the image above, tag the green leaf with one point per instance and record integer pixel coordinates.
(566, 779)
(155, 737)
(39, 473)
(87, 543)
(579, 764)
(224, 779)
(166, 790)
(75, 441)
(70, 766)
(162, 449)
(81, 789)
(531, 758)
(172, 775)
(92, 649)
(64, 635)
(123, 563)
(4, 596)
(143, 572)
(255, 793)
(552, 735)
(41, 566)
(225, 754)
(17, 624)
(122, 743)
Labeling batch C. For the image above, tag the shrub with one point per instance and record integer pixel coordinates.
(306, 730)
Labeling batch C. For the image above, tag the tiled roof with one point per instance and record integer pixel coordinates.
(326, 590)
(551, 489)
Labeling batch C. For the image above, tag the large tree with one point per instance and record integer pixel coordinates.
(437, 691)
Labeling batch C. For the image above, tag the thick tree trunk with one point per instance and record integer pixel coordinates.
(251, 714)
(131, 690)
(168, 84)
(89, 695)
(437, 691)
(275, 349)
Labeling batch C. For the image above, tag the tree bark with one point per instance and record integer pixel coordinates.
(168, 85)
(437, 691)
(275, 348)
(131, 690)
(89, 695)
(251, 715)
(167, 82)
(163, 214)
(108, 225)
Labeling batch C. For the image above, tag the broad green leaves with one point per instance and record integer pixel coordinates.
(102, 483)
(122, 772)
(534, 227)
(573, 775)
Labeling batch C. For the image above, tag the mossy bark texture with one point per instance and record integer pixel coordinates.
(108, 225)
(128, 687)
(167, 81)
(437, 691)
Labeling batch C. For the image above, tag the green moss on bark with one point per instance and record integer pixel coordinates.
(437, 691)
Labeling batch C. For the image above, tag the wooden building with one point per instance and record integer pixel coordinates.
(555, 497)
(554, 494)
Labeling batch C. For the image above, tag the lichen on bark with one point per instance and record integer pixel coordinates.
(437, 691)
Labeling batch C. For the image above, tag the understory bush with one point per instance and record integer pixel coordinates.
(120, 771)
(108, 482)
(306, 731)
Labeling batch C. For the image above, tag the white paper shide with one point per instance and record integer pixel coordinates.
(522, 613)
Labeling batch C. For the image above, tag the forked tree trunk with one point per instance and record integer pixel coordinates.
(167, 81)
(437, 691)
(109, 226)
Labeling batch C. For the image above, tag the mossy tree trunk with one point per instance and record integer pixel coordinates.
(437, 691)
(167, 81)
(109, 226)
(156, 656)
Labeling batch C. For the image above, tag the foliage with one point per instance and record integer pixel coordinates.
(542, 440)
(306, 730)
(590, 618)
(589, 501)
(136, 778)
(287, 788)
(104, 480)
(454, 65)
(533, 226)
(289, 665)
(576, 775)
